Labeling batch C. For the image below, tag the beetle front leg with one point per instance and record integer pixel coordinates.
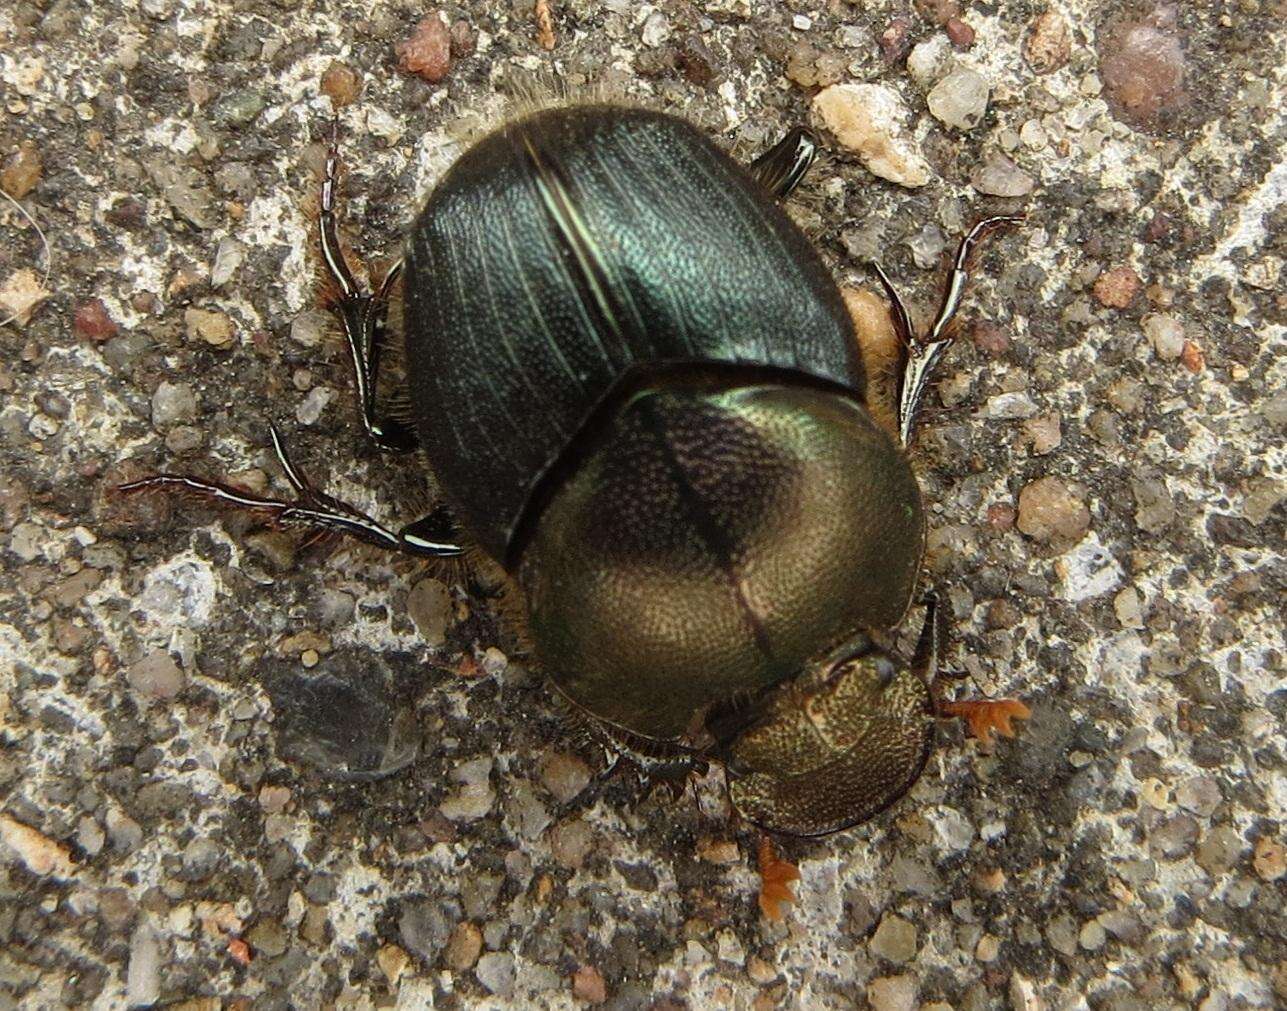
(984, 717)
(311, 509)
(363, 316)
(783, 166)
(921, 355)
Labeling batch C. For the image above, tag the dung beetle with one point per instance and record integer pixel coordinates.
(642, 394)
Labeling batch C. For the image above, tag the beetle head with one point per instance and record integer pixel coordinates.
(832, 747)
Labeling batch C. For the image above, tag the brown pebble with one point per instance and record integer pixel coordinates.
(544, 24)
(91, 320)
(463, 41)
(1118, 287)
(1142, 65)
(22, 171)
(463, 947)
(961, 34)
(1269, 859)
(940, 12)
(210, 326)
(1049, 43)
(1050, 509)
(1192, 357)
(588, 985)
(696, 61)
(895, 40)
(427, 53)
(990, 339)
(1001, 516)
(341, 84)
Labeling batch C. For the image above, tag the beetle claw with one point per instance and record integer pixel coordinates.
(988, 717)
(776, 877)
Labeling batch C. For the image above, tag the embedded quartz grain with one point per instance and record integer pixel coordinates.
(868, 120)
(242, 742)
(960, 99)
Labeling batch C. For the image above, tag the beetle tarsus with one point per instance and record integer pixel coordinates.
(776, 876)
(362, 314)
(986, 717)
(921, 355)
(783, 166)
(311, 509)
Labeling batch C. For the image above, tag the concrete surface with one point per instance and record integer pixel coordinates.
(239, 771)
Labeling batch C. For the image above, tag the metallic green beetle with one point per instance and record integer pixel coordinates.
(641, 393)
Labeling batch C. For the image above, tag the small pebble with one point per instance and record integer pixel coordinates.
(1092, 936)
(393, 962)
(210, 326)
(21, 295)
(172, 403)
(998, 176)
(1269, 859)
(227, 261)
(894, 940)
(143, 972)
(1049, 509)
(463, 41)
(341, 84)
(1219, 849)
(1127, 607)
(571, 842)
(427, 52)
(961, 34)
(1118, 287)
(1009, 406)
(892, 993)
(309, 327)
(311, 407)
(496, 972)
(1142, 64)
(156, 676)
(1045, 432)
(960, 99)
(868, 119)
(430, 607)
(588, 985)
(1049, 43)
(927, 246)
(929, 60)
(21, 171)
(656, 30)
(92, 320)
(41, 855)
(564, 775)
(463, 947)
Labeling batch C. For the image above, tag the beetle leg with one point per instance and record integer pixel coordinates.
(984, 717)
(781, 168)
(311, 509)
(362, 314)
(923, 354)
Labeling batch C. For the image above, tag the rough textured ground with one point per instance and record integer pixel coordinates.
(238, 771)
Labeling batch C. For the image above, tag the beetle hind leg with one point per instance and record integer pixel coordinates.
(921, 355)
(783, 166)
(311, 509)
(363, 315)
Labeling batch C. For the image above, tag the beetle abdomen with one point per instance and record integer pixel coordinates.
(713, 542)
(571, 247)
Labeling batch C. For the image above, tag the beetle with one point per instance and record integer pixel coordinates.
(642, 395)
